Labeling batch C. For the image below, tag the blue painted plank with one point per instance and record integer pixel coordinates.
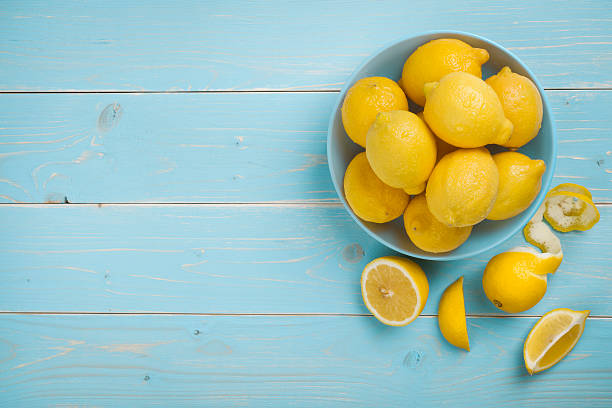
(240, 259)
(265, 361)
(229, 45)
(220, 147)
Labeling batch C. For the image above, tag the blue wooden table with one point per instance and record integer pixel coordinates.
(170, 234)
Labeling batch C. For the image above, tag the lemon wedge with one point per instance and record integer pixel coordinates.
(451, 316)
(394, 290)
(552, 338)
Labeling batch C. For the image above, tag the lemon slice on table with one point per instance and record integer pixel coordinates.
(394, 289)
(552, 338)
(451, 316)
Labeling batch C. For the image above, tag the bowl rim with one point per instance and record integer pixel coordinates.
(531, 210)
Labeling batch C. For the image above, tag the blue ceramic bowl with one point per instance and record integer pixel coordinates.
(389, 62)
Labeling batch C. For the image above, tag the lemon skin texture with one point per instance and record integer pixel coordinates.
(462, 188)
(520, 181)
(437, 58)
(465, 112)
(401, 150)
(429, 234)
(370, 198)
(522, 104)
(364, 100)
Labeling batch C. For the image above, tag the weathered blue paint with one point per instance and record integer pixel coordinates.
(266, 361)
(241, 259)
(221, 147)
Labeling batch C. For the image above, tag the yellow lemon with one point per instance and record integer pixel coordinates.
(432, 60)
(394, 289)
(520, 181)
(442, 147)
(552, 338)
(462, 187)
(522, 105)
(370, 198)
(464, 111)
(515, 280)
(451, 316)
(401, 150)
(364, 100)
(429, 234)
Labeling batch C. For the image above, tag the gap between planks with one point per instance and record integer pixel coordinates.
(230, 91)
(286, 204)
(427, 316)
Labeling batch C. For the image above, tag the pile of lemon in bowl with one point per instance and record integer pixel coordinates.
(438, 156)
(433, 168)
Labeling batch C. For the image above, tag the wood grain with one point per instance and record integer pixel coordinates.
(288, 361)
(221, 147)
(241, 259)
(233, 45)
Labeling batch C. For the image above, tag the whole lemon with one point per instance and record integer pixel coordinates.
(522, 105)
(464, 111)
(515, 281)
(520, 180)
(401, 150)
(364, 100)
(462, 187)
(429, 234)
(370, 198)
(432, 60)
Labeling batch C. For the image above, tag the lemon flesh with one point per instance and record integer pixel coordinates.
(552, 338)
(522, 105)
(520, 181)
(401, 150)
(429, 234)
(462, 188)
(464, 111)
(451, 316)
(364, 100)
(433, 60)
(515, 280)
(370, 198)
(394, 290)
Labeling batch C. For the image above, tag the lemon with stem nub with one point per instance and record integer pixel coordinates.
(364, 100)
(522, 105)
(515, 280)
(401, 150)
(464, 111)
(462, 188)
(436, 58)
(394, 289)
(520, 181)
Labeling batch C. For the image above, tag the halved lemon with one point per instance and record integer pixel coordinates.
(451, 316)
(394, 289)
(552, 338)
